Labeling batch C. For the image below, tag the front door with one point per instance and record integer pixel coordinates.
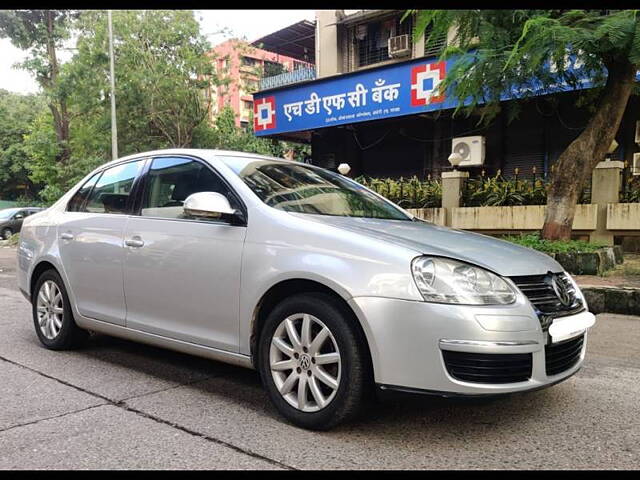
(182, 275)
(90, 242)
(16, 221)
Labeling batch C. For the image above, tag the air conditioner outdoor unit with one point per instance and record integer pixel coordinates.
(471, 149)
(399, 46)
(636, 164)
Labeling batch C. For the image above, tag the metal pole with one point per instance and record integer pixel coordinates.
(114, 127)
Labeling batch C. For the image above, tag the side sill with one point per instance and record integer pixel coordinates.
(165, 342)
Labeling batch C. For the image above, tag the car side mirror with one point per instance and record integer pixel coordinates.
(211, 205)
(18, 216)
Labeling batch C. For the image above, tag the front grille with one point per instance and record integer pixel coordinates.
(488, 367)
(562, 356)
(540, 292)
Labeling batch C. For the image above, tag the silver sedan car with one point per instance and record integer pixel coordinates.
(326, 288)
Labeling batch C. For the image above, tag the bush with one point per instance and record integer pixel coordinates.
(408, 193)
(13, 240)
(498, 191)
(45, 202)
(533, 240)
(631, 191)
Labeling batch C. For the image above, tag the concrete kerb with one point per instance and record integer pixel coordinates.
(605, 299)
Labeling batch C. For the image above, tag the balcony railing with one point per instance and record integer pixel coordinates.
(287, 78)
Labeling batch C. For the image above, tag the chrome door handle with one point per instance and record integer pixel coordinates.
(134, 242)
(66, 236)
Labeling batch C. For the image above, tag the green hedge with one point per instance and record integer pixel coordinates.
(477, 192)
(406, 192)
(498, 191)
(533, 240)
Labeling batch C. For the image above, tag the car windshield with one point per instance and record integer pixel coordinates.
(294, 187)
(8, 213)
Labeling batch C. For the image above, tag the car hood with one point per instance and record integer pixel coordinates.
(500, 256)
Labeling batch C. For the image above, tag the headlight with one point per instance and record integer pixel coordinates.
(577, 293)
(444, 280)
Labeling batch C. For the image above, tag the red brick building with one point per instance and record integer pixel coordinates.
(244, 65)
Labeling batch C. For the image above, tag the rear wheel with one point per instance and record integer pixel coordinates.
(312, 362)
(52, 316)
(6, 233)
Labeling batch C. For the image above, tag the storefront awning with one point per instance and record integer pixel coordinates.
(296, 41)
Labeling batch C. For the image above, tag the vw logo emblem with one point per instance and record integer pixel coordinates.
(305, 362)
(561, 291)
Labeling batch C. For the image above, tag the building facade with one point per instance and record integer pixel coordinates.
(243, 66)
(375, 104)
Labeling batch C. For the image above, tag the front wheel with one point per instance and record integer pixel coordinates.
(6, 233)
(312, 361)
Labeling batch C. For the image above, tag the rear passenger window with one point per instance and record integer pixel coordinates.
(77, 201)
(111, 191)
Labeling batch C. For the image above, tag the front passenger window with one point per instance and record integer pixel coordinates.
(171, 180)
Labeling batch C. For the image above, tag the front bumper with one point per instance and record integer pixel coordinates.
(406, 340)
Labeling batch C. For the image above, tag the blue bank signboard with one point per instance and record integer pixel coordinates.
(399, 89)
(395, 90)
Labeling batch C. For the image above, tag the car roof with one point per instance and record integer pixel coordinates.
(204, 153)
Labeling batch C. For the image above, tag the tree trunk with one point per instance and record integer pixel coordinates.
(575, 164)
(59, 109)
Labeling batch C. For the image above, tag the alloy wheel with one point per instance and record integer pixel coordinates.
(305, 362)
(50, 308)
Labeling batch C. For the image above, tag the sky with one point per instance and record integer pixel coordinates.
(249, 24)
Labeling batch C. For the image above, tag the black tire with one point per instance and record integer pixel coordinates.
(70, 336)
(6, 233)
(354, 382)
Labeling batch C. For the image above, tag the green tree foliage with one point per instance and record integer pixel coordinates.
(42, 33)
(160, 69)
(225, 135)
(512, 49)
(163, 66)
(17, 113)
(499, 50)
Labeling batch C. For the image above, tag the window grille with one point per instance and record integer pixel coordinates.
(437, 46)
(371, 40)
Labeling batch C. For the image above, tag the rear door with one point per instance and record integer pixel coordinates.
(90, 241)
(182, 275)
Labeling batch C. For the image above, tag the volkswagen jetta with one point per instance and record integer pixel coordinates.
(323, 286)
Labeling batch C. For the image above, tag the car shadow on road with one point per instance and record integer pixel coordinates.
(242, 387)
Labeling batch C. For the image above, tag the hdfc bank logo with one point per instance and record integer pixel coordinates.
(425, 82)
(264, 114)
